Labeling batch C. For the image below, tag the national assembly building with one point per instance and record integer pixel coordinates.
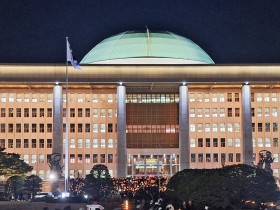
(143, 104)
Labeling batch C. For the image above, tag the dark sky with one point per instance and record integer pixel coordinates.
(232, 31)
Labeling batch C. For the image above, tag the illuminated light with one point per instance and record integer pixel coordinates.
(57, 83)
(246, 83)
(120, 83)
(184, 83)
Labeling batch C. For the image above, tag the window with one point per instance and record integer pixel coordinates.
(214, 112)
(192, 127)
(87, 112)
(110, 112)
(110, 127)
(275, 142)
(95, 158)
(222, 112)
(72, 112)
(102, 158)
(199, 97)
(253, 127)
(266, 97)
(80, 143)
(95, 128)
(274, 112)
(72, 128)
(18, 112)
(237, 142)
(42, 112)
(229, 112)
(207, 112)
(102, 143)
(192, 143)
(200, 142)
(3, 112)
(229, 127)
(41, 143)
(49, 128)
(222, 127)
(49, 112)
(87, 97)
(259, 111)
(276, 157)
(237, 112)
(42, 128)
(95, 112)
(72, 143)
(80, 158)
(230, 143)
(192, 112)
(87, 128)
(260, 142)
(11, 112)
(87, 158)
(267, 112)
(41, 158)
(26, 143)
(72, 158)
(26, 158)
(80, 128)
(102, 113)
(237, 127)
(80, 112)
(11, 128)
(110, 143)
(200, 127)
(223, 142)
(10, 143)
(49, 98)
(253, 112)
(230, 157)
(207, 127)
(3, 97)
(215, 142)
(238, 157)
(236, 97)
(87, 143)
(275, 127)
(229, 97)
(2, 128)
(267, 127)
(95, 143)
(199, 112)
(259, 97)
(33, 159)
(208, 157)
(259, 127)
(80, 98)
(2, 143)
(200, 157)
(216, 157)
(102, 128)
(192, 97)
(215, 127)
(11, 97)
(193, 159)
(33, 143)
(206, 97)
(18, 128)
(267, 142)
(110, 158)
(49, 143)
(207, 142)
(34, 112)
(214, 97)
(18, 143)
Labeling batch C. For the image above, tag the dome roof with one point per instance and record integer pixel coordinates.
(136, 47)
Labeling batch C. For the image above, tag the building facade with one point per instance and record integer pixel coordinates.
(146, 112)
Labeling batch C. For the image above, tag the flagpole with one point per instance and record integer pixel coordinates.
(66, 174)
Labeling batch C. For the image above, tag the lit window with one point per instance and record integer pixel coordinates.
(192, 142)
(72, 143)
(267, 142)
(95, 143)
(260, 142)
(110, 143)
(192, 127)
(259, 97)
(237, 142)
(102, 143)
(230, 142)
(192, 112)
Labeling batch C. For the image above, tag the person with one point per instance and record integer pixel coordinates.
(95, 205)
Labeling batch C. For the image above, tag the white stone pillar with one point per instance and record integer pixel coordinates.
(57, 120)
(247, 144)
(184, 128)
(121, 129)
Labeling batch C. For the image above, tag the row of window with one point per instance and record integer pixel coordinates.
(41, 143)
(79, 158)
(152, 98)
(230, 97)
(40, 112)
(48, 97)
(230, 142)
(73, 128)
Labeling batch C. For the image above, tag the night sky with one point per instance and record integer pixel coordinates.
(231, 32)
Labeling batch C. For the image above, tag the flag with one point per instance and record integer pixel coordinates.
(71, 58)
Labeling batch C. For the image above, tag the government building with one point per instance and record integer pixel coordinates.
(143, 104)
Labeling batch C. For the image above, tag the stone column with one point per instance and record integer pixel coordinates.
(121, 129)
(247, 125)
(184, 128)
(57, 144)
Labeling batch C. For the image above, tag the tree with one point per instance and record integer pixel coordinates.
(14, 186)
(99, 182)
(223, 188)
(12, 165)
(33, 185)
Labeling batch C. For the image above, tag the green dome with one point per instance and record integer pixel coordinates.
(134, 47)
